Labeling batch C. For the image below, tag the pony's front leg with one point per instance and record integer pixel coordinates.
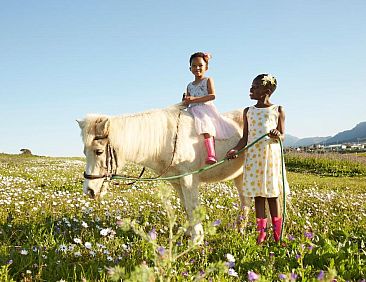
(178, 189)
(245, 203)
(189, 185)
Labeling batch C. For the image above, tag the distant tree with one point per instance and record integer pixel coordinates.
(26, 152)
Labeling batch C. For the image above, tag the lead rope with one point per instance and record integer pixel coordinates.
(116, 176)
(283, 189)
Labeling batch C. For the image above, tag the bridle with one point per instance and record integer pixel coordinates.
(111, 162)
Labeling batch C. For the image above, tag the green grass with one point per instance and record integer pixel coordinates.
(327, 164)
(49, 231)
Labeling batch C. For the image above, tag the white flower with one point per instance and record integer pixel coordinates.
(109, 258)
(63, 248)
(77, 240)
(24, 252)
(232, 272)
(84, 224)
(268, 79)
(230, 258)
(77, 254)
(105, 232)
(88, 245)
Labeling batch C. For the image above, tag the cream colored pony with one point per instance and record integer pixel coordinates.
(148, 139)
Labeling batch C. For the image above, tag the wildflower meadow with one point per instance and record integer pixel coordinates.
(50, 231)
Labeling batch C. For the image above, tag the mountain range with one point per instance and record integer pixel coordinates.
(354, 135)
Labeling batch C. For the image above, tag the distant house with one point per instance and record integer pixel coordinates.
(335, 147)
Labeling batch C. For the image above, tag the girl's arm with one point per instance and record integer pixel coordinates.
(209, 97)
(243, 141)
(279, 132)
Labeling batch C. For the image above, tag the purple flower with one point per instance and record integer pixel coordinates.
(293, 276)
(179, 243)
(185, 274)
(217, 222)
(282, 276)
(271, 254)
(161, 251)
(291, 237)
(309, 235)
(230, 264)
(153, 234)
(320, 275)
(252, 276)
(310, 247)
(10, 261)
(298, 256)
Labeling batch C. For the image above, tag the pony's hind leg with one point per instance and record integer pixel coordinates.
(245, 203)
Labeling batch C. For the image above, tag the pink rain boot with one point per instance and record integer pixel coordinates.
(261, 227)
(277, 227)
(210, 147)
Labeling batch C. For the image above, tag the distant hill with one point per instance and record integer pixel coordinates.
(293, 141)
(311, 141)
(356, 134)
(290, 140)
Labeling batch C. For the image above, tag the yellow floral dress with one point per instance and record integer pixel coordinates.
(262, 164)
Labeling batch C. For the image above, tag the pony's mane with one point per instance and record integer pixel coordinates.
(135, 135)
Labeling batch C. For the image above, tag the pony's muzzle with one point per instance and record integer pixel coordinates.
(90, 193)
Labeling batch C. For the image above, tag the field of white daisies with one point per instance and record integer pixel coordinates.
(50, 231)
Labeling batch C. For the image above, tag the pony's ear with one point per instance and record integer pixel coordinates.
(102, 127)
(81, 123)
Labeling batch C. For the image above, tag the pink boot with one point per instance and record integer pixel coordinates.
(210, 147)
(261, 227)
(277, 228)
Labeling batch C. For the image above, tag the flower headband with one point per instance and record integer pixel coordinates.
(208, 56)
(268, 79)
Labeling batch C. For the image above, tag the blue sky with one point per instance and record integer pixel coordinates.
(60, 60)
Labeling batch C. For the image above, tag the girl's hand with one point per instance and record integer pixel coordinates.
(232, 154)
(275, 134)
(188, 100)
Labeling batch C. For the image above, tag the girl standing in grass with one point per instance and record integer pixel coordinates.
(199, 96)
(262, 164)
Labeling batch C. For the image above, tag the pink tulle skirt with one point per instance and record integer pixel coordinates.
(207, 119)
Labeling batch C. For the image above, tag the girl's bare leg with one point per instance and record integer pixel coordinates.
(260, 206)
(273, 204)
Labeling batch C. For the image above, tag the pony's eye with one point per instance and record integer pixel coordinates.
(99, 152)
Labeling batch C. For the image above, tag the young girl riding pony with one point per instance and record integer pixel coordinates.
(199, 96)
(262, 164)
